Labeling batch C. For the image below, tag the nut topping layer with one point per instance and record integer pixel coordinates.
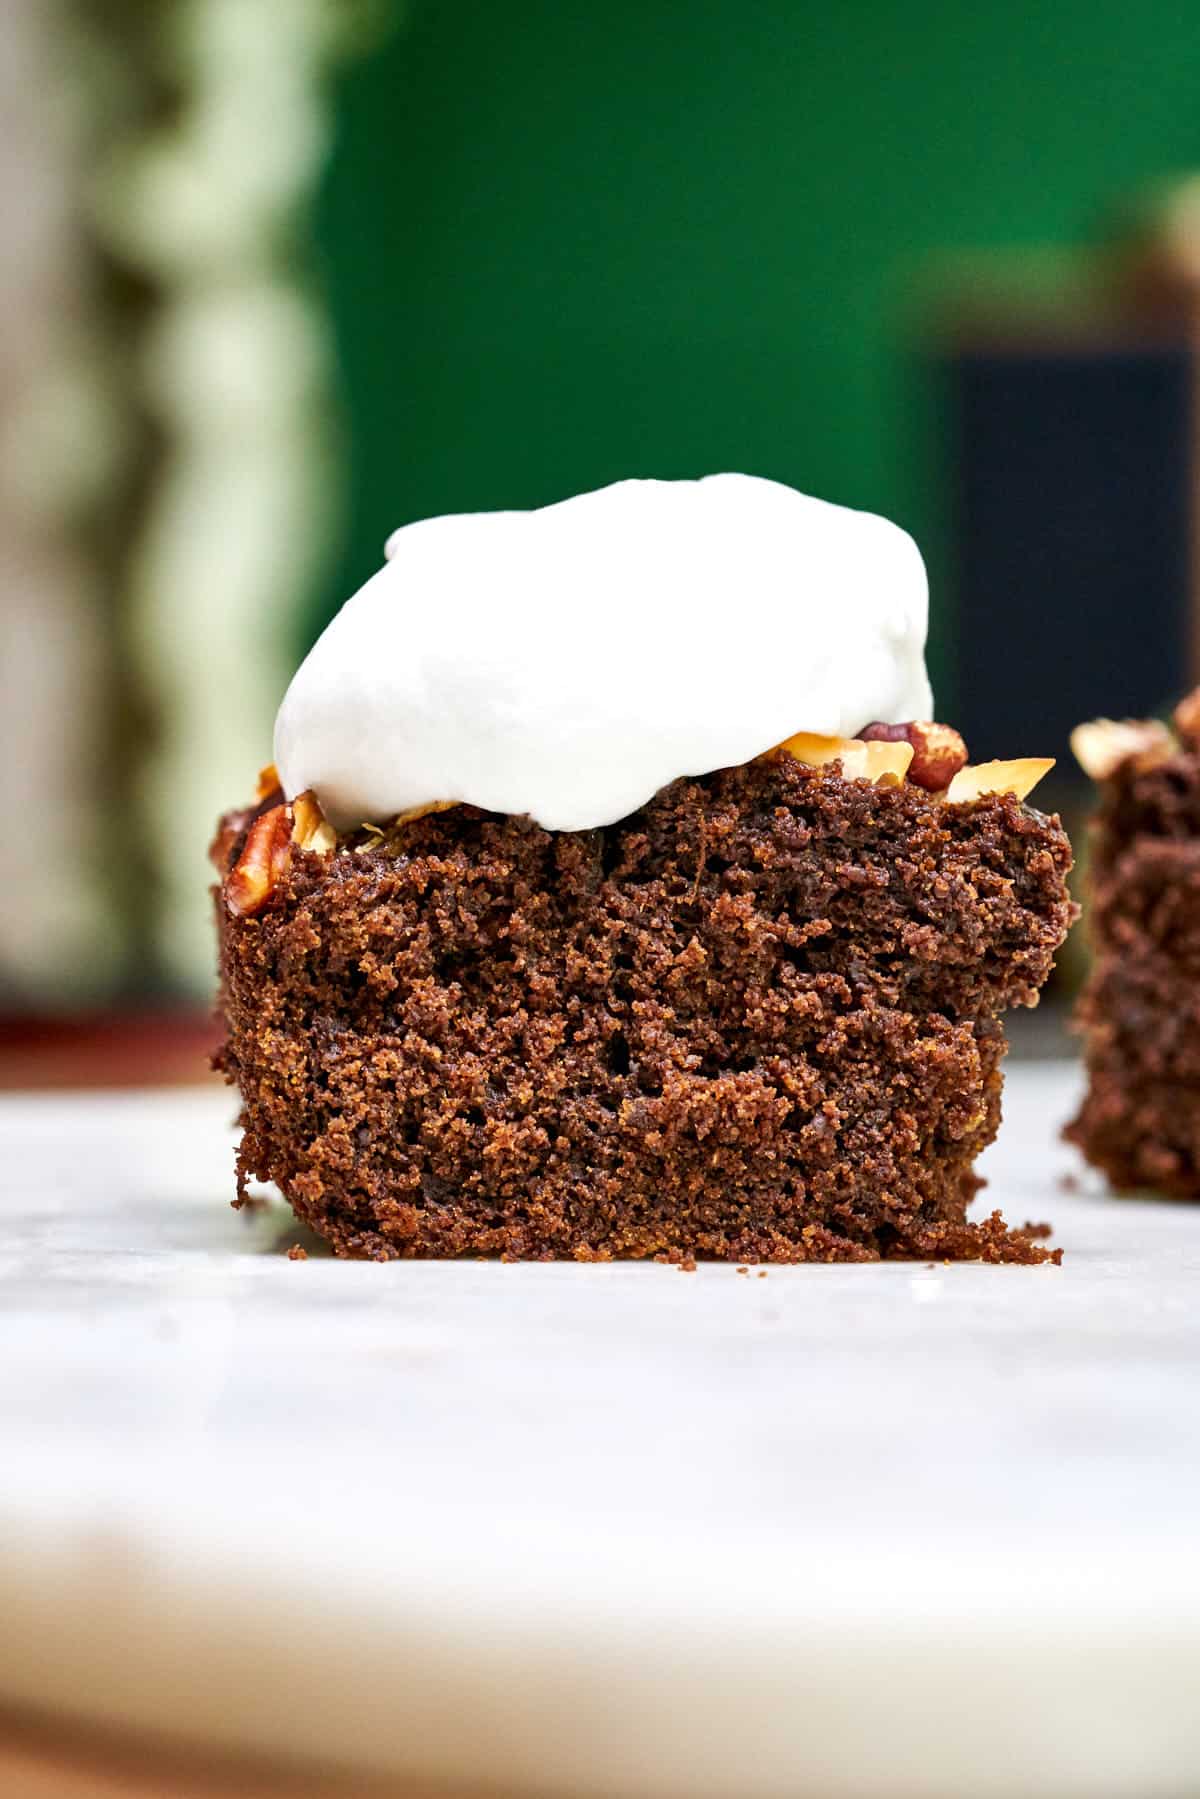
(938, 750)
(884, 763)
(267, 852)
(1105, 743)
(930, 755)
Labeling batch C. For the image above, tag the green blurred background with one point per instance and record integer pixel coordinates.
(565, 243)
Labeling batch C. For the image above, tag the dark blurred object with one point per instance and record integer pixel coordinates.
(163, 1048)
(1075, 493)
(1074, 511)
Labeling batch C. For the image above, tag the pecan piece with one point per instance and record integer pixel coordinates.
(262, 864)
(234, 825)
(938, 750)
(231, 827)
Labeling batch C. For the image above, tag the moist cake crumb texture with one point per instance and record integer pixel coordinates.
(1139, 1013)
(757, 1020)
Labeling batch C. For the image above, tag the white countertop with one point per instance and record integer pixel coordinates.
(599, 1530)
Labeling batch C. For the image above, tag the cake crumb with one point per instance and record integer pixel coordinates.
(762, 1274)
(1068, 1181)
(297, 1253)
(741, 1271)
(688, 1265)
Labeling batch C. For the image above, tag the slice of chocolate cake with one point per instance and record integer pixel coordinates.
(1139, 1013)
(759, 1019)
(557, 994)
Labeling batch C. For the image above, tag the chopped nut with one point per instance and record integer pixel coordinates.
(234, 825)
(878, 732)
(311, 830)
(938, 750)
(877, 761)
(1103, 745)
(1187, 716)
(268, 782)
(1019, 778)
(377, 835)
(415, 812)
(262, 864)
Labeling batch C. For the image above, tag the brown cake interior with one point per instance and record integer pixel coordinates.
(759, 1019)
(1140, 1011)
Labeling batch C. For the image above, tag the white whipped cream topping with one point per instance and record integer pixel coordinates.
(571, 661)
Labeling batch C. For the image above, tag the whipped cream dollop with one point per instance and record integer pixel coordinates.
(570, 661)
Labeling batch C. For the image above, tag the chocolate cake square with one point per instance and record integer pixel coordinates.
(548, 941)
(1139, 1014)
(758, 1020)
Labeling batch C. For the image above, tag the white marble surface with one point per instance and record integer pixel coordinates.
(896, 1530)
